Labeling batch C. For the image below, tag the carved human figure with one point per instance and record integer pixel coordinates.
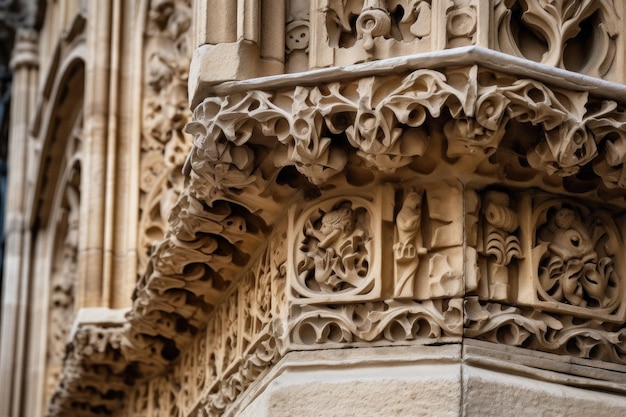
(335, 224)
(571, 271)
(409, 245)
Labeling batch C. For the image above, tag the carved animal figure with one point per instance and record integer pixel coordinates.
(337, 257)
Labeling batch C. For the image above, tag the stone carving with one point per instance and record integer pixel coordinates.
(384, 322)
(375, 122)
(461, 23)
(64, 273)
(500, 244)
(410, 245)
(610, 166)
(163, 144)
(297, 36)
(549, 332)
(379, 28)
(250, 369)
(243, 338)
(576, 35)
(574, 256)
(336, 250)
(334, 256)
(383, 119)
(94, 380)
(63, 283)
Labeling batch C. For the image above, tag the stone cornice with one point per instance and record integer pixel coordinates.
(448, 58)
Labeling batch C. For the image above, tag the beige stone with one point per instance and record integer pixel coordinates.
(403, 207)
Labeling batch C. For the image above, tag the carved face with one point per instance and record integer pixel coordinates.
(571, 239)
(412, 200)
(340, 219)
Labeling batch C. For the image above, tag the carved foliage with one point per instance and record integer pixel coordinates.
(575, 261)
(165, 112)
(94, 380)
(377, 323)
(545, 331)
(336, 249)
(385, 120)
(576, 35)
(242, 339)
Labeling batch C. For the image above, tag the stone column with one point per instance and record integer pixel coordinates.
(17, 240)
(236, 40)
(96, 136)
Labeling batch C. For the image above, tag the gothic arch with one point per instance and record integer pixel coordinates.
(55, 155)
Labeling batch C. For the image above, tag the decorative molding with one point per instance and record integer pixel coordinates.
(243, 338)
(384, 120)
(545, 331)
(95, 377)
(377, 323)
(368, 129)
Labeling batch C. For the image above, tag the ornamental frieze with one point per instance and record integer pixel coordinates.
(399, 124)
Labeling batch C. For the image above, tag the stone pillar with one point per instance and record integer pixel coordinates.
(17, 239)
(236, 40)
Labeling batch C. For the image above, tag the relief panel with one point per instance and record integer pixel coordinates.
(362, 30)
(428, 248)
(336, 248)
(577, 35)
(498, 245)
(573, 263)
